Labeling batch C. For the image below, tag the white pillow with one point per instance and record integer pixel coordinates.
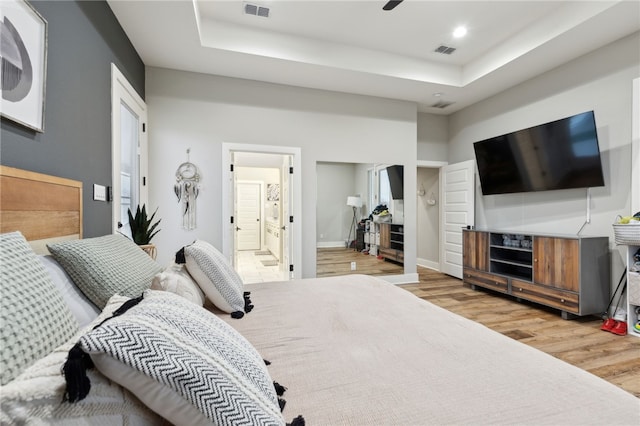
(176, 279)
(217, 278)
(81, 308)
(184, 363)
(35, 396)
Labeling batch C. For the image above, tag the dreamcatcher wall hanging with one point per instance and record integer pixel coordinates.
(187, 188)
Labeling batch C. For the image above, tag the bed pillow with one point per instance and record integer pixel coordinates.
(184, 363)
(34, 319)
(36, 395)
(217, 278)
(177, 280)
(81, 308)
(107, 265)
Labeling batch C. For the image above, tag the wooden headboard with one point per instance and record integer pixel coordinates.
(44, 208)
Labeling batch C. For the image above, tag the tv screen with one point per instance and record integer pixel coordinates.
(557, 155)
(396, 181)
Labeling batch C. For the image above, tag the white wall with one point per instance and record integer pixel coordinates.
(599, 81)
(189, 110)
(433, 137)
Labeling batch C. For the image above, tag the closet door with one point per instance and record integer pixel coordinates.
(458, 211)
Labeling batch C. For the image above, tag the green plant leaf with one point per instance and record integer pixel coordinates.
(142, 228)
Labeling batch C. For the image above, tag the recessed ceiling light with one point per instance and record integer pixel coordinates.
(459, 32)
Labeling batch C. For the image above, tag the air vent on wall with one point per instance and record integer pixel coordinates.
(442, 104)
(254, 9)
(445, 50)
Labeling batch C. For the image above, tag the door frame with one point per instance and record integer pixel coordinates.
(228, 248)
(122, 90)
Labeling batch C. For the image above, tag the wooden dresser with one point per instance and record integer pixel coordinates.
(568, 273)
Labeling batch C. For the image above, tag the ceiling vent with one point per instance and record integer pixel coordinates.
(442, 104)
(445, 50)
(254, 9)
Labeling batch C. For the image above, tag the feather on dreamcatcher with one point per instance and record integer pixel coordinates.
(187, 188)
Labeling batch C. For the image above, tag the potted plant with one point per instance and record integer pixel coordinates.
(143, 229)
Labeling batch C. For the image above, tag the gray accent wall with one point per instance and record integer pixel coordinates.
(84, 38)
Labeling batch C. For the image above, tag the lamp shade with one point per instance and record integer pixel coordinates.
(354, 202)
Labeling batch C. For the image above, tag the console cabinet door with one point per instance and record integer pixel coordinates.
(385, 235)
(556, 262)
(475, 252)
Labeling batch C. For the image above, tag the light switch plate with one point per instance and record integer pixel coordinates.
(99, 192)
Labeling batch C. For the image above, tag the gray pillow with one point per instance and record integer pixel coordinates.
(184, 363)
(35, 396)
(34, 318)
(104, 266)
(216, 277)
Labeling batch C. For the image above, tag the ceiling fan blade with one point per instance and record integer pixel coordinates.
(391, 4)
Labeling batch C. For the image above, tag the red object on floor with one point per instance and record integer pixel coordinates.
(380, 257)
(608, 324)
(620, 328)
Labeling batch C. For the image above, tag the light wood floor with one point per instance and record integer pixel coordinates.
(337, 261)
(579, 342)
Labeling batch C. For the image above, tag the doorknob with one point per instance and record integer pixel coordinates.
(284, 227)
(119, 224)
(238, 228)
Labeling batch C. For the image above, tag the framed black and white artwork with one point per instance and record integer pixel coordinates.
(24, 63)
(273, 192)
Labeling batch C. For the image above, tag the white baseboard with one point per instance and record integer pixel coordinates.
(425, 263)
(331, 244)
(401, 279)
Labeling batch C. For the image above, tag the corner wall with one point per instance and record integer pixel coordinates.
(84, 38)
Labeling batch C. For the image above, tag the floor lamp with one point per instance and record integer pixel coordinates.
(354, 203)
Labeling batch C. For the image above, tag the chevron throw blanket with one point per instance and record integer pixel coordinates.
(184, 363)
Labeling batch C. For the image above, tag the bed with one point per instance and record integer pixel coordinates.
(352, 350)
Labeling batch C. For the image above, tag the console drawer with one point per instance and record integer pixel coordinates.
(560, 299)
(485, 279)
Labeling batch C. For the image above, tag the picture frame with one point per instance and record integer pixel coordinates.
(273, 192)
(24, 64)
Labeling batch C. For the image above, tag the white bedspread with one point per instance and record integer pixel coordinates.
(356, 350)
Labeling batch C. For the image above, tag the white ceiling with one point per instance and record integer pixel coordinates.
(356, 47)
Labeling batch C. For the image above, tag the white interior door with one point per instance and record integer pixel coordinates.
(129, 151)
(231, 225)
(458, 211)
(248, 226)
(635, 149)
(286, 233)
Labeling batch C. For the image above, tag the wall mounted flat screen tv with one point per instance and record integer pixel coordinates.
(561, 154)
(396, 181)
